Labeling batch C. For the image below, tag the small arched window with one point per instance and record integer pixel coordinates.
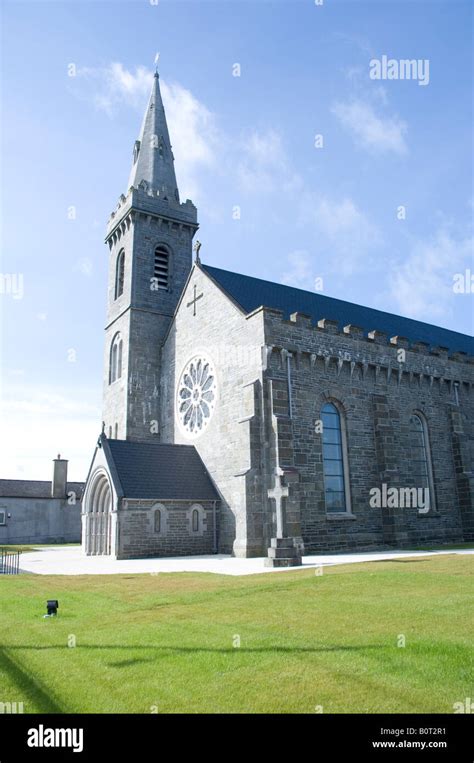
(119, 274)
(158, 520)
(195, 521)
(335, 468)
(421, 466)
(162, 267)
(115, 363)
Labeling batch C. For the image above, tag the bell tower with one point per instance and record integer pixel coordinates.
(149, 237)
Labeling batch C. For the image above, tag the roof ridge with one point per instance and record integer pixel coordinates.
(153, 444)
(252, 292)
(334, 299)
(154, 470)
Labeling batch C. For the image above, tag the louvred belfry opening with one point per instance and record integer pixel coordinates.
(161, 270)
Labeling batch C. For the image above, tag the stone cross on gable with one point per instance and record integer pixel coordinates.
(194, 300)
(197, 249)
(278, 492)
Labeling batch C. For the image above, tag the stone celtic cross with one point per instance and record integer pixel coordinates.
(278, 492)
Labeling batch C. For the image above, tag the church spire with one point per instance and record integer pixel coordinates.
(153, 159)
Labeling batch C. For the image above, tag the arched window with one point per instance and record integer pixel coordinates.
(119, 361)
(119, 273)
(158, 521)
(162, 267)
(335, 467)
(115, 363)
(195, 521)
(421, 466)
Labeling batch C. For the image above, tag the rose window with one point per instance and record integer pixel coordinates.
(197, 391)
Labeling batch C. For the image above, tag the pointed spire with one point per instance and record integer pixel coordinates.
(153, 159)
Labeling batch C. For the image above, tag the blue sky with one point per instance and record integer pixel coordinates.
(247, 142)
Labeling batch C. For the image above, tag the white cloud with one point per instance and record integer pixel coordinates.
(266, 148)
(376, 133)
(129, 84)
(194, 135)
(15, 371)
(115, 86)
(300, 273)
(84, 266)
(192, 126)
(343, 229)
(422, 285)
(336, 224)
(264, 166)
(259, 160)
(37, 425)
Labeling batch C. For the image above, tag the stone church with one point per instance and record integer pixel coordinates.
(250, 418)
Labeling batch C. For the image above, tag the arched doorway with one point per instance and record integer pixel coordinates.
(98, 517)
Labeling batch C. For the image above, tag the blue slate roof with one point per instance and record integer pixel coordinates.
(35, 489)
(160, 471)
(251, 293)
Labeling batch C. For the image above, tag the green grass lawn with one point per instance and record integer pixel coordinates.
(166, 642)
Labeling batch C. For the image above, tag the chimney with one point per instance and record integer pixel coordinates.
(59, 483)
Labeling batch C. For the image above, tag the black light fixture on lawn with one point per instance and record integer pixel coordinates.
(52, 607)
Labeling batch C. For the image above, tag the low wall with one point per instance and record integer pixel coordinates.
(40, 520)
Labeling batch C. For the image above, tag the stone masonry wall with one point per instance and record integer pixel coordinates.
(138, 537)
(142, 314)
(229, 444)
(377, 395)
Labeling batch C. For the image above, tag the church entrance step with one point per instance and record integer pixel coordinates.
(283, 552)
(287, 543)
(289, 561)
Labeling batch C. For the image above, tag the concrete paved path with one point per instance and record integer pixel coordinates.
(69, 560)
